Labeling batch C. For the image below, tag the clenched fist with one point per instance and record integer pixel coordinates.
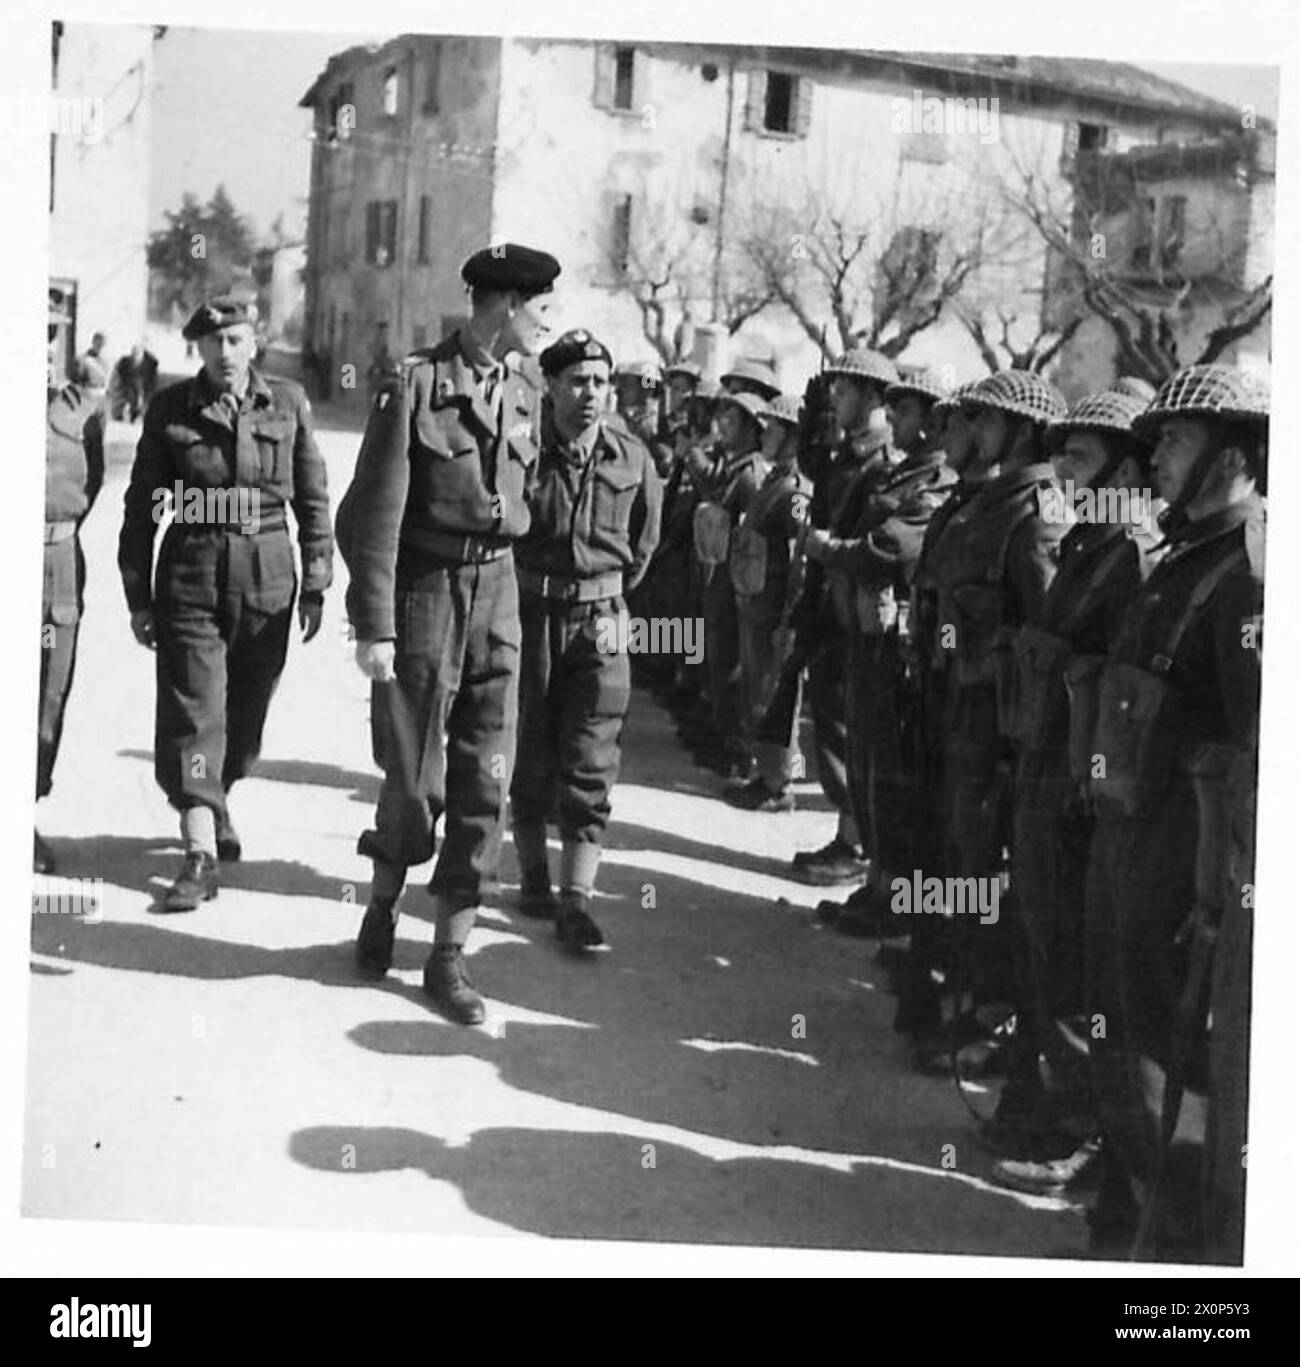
(375, 660)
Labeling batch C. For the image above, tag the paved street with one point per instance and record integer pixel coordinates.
(727, 1074)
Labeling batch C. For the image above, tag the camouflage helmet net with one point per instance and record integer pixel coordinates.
(1020, 394)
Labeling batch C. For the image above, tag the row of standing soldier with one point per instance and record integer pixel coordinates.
(1072, 713)
(1006, 687)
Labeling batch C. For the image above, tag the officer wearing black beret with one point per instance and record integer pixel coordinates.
(230, 450)
(595, 524)
(438, 498)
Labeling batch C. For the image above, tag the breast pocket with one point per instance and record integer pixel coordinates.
(612, 496)
(196, 457)
(274, 440)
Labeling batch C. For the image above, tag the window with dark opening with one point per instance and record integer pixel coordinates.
(778, 106)
(422, 233)
(624, 62)
(1092, 137)
(621, 244)
(433, 81)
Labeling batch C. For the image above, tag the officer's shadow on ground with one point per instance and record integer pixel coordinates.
(363, 786)
(599, 1185)
(718, 1013)
(170, 944)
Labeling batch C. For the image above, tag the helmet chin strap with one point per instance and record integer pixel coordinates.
(1175, 513)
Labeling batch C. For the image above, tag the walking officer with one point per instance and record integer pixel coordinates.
(595, 505)
(426, 528)
(74, 474)
(231, 449)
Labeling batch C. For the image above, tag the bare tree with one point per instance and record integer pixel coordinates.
(1001, 352)
(1143, 309)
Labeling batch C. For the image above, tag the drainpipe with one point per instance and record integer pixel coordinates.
(722, 190)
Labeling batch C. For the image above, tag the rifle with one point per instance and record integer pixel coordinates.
(1209, 770)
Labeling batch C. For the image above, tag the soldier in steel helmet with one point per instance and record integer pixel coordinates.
(1174, 747)
(1103, 475)
(858, 382)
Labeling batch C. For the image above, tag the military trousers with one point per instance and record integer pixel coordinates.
(722, 651)
(884, 781)
(223, 607)
(443, 731)
(826, 701)
(574, 692)
(61, 603)
(1051, 831)
(1140, 888)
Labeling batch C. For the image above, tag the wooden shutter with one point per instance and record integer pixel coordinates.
(603, 96)
(756, 101)
(390, 230)
(803, 97)
(372, 230)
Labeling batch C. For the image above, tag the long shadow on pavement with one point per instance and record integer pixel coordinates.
(599, 1185)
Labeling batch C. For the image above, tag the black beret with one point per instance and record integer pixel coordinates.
(222, 312)
(508, 266)
(570, 348)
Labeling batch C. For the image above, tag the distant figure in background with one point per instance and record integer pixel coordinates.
(135, 377)
(74, 474)
(91, 370)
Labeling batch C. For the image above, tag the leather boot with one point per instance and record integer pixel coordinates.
(195, 884)
(448, 985)
(573, 924)
(536, 896)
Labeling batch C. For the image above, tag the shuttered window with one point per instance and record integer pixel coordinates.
(620, 74)
(381, 232)
(778, 104)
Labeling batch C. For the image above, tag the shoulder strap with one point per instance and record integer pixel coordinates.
(1025, 511)
(1100, 572)
(1163, 661)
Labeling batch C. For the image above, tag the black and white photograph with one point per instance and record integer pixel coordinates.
(651, 635)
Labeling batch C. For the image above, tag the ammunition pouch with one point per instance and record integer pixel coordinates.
(711, 529)
(1137, 736)
(747, 560)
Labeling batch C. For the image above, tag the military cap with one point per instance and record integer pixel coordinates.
(222, 312)
(1111, 411)
(686, 368)
(929, 384)
(864, 364)
(1207, 391)
(784, 408)
(1019, 394)
(756, 372)
(750, 403)
(508, 266)
(571, 347)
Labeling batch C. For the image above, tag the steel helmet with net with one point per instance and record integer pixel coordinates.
(1019, 394)
(928, 384)
(1208, 391)
(864, 364)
